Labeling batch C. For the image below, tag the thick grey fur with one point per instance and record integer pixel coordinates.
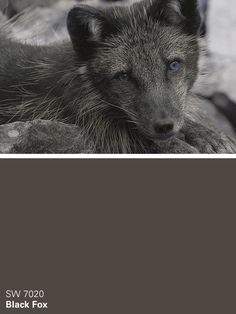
(73, 81)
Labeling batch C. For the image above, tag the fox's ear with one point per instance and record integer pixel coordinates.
(87, 27)
(184, 13)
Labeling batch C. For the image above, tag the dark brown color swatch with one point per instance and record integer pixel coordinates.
(120, 236)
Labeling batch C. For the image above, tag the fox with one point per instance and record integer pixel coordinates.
(124, 78)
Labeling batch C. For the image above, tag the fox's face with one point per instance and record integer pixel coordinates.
(142, 60)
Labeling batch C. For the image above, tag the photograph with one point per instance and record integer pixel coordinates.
(97, 77)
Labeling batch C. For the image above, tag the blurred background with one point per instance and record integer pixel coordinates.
(43, 22)
(217, 82)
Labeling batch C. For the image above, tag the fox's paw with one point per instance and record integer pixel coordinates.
(174, 146)
(208, 141)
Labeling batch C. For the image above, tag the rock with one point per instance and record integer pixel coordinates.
(47, 137)
(40, 136)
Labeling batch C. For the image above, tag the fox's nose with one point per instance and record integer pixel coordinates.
(164, 128)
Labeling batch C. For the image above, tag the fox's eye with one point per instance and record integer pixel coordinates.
(121, 76)
(174, 66)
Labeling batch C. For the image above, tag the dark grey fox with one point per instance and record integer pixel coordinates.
(124, 78)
